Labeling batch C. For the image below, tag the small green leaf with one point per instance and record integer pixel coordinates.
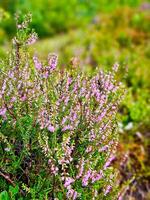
(60, 195)
(4, 195)
(13, 190)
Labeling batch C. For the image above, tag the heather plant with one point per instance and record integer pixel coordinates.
(58, 126)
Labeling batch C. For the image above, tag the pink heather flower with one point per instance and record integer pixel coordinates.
(106, 84)
(51, 128)
(109, 161)
(83, 90)
(110, 87)
(92, 136)
(107, 190)
(54, 170)
(104, 148)
(73, 117)
(96, 176)
(3, 112)
(62, 161)
(75, 89)
(103, 137)
(81, 168)
(38, 65)
(3, 86)
(120, 197)
(13, 99)
(68, 182)
(46, 74)
(103, 97)
(52, 61)
(66, 100)
(11, 74)
(32, 39)
(115, 67)
(23, 98)
(67, 127)
(64, 120)
(72, 194)
(100, 117)
(69, 80)
(88, 149)
(122, 193)
(86, 177)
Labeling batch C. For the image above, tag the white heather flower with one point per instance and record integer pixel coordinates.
(7, 149)
(129, 126)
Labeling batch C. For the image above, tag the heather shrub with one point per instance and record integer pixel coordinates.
(58, 126)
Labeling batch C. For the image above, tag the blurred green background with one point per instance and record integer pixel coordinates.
(98, 33)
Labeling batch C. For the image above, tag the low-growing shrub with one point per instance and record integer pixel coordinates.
(58, 128)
